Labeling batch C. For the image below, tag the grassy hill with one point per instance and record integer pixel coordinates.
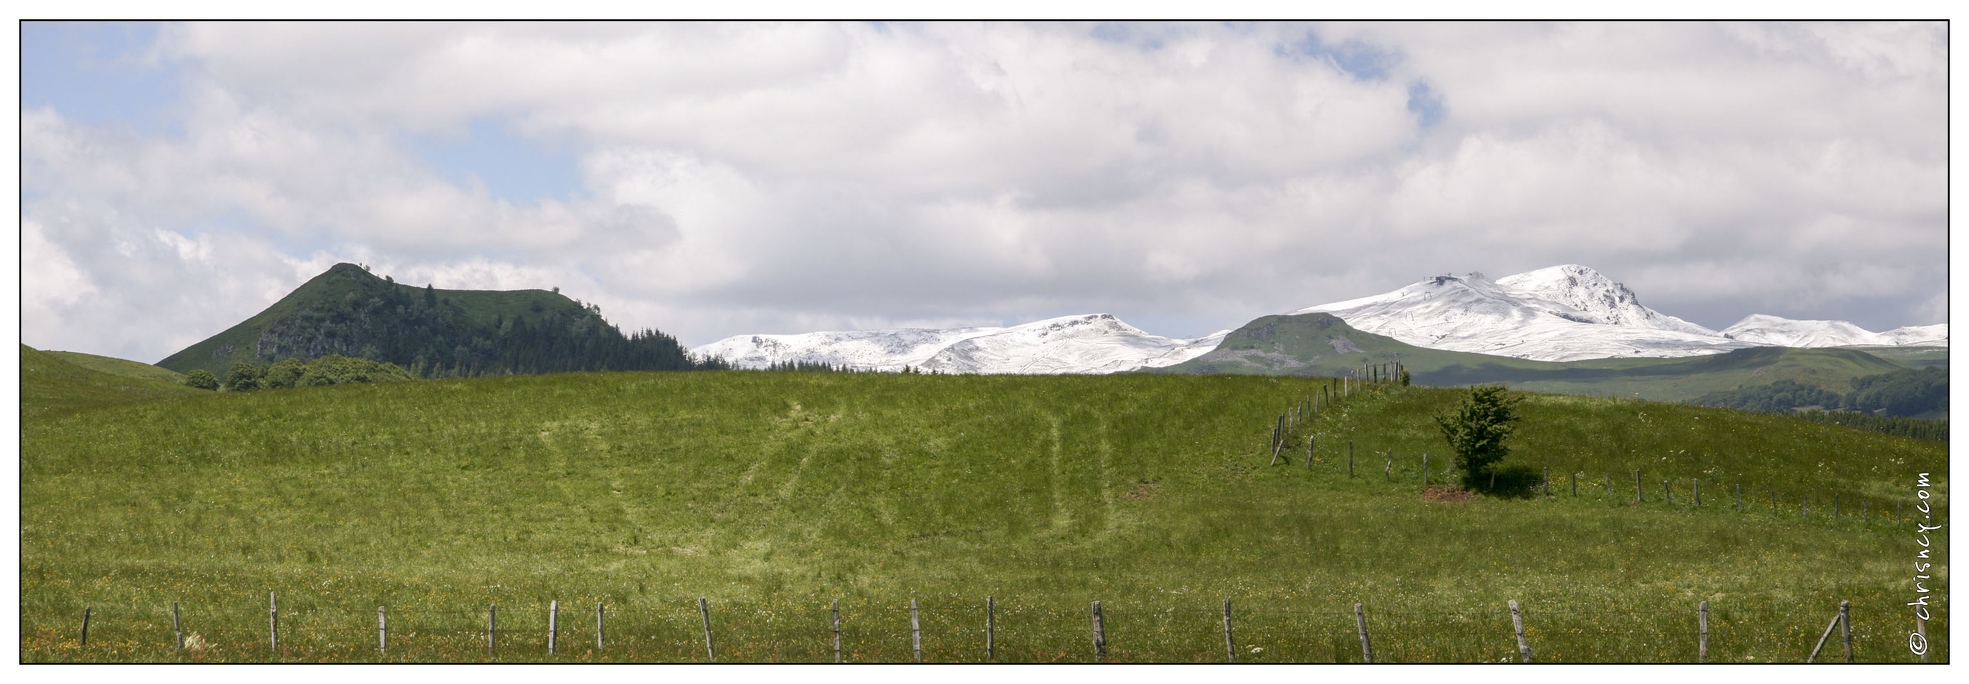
(116, 366)
(52, 382)
(772, 494)
(1323, 345)
(349, 282)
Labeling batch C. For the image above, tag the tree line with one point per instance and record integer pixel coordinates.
(1901, 393)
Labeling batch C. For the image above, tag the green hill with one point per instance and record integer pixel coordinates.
(51, 383)
(116, 366)
(348, 311)
(1323, 345)
(773, 494)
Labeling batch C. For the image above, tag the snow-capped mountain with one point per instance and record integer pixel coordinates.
(1562, 313)
(883, 350)
(1090, 343)
(1785, 332)
(1571, 312)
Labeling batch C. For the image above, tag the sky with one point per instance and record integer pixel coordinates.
(709, 180)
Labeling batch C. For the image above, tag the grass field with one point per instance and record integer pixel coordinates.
(772, 494)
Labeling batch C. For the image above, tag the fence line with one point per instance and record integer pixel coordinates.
(940, 631)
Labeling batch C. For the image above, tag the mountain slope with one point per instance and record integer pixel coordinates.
(1321, 344)
(1089, 343)
(1563, 313)
(350, 312)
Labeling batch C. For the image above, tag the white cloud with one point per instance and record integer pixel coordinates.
(743, 178)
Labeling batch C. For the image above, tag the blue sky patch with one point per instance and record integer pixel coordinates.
(1425, 103)
(1359, 60)
(96, 73)
(512, 167)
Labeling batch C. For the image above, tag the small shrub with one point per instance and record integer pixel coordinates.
(1477, 430)
(202, 379)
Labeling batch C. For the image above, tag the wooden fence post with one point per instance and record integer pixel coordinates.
(1702, 632)
(1230, 647)
(1545, 481)
(1739, 489)
(915, 632)
(1575, 484)
(1311, 442)
(1350, 461)
(837, 631)
(1360, 622)
(85, 625)
(704, 611)
(553, 623)
(177, 627)
(1827, 635)
(598, 627)
(1388, 472)
(1100, 634)
(1667, 497)
(1518, 625)
(1425, 470)
(1805, 506)
(273, 621)
(1846, 627)
(1637, 487)
(382, 631)
(492, 626)
(990, 627)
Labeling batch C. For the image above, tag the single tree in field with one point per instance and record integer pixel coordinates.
(1476, 431)
(202, 379)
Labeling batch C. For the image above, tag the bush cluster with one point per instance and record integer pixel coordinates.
(321, 372)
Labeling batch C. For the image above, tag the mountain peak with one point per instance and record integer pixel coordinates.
(1559, 313)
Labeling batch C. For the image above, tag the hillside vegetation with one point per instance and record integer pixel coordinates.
(52, 383)
(1907, 393)
(116, 366)
(772, 494)
(433, 333)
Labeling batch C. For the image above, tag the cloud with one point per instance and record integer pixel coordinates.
(718, 179)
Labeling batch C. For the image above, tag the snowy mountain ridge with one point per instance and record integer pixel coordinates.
(1087, 343)
(1785, 332)
(1572, 313)
(1560, 313)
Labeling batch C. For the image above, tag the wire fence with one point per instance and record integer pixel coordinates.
(951, 631)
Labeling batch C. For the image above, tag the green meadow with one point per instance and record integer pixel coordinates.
(772, 495)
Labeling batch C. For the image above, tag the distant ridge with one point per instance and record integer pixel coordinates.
(1086, 343)
(432, 332)
(1785, 332)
